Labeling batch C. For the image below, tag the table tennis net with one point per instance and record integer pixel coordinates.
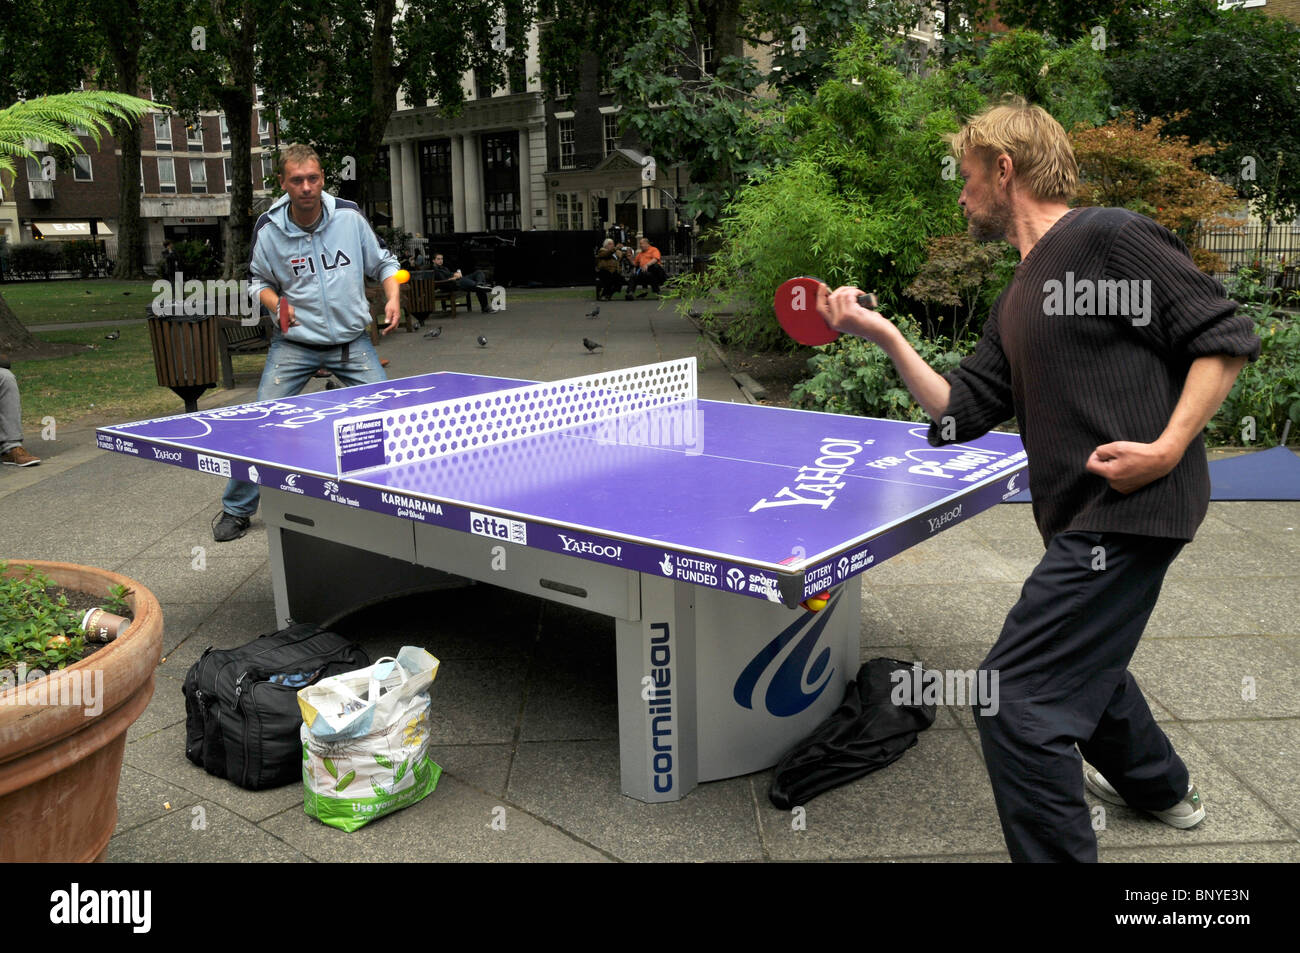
(442, 428)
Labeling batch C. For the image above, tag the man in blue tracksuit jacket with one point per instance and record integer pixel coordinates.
(317, 251)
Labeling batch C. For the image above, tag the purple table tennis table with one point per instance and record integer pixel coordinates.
(699, 526)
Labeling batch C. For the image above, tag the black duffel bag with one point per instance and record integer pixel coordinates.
(241, 705)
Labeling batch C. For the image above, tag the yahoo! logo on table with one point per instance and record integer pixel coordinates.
(787, 673)
(589, 548)
(817, 485)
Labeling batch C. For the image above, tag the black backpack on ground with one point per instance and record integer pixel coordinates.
(241, 705)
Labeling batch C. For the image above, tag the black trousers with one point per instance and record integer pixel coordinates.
(471, 282)
(653, 276)
(1063, 680)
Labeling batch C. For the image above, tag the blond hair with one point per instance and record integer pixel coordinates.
(298, 153)
(1039, 149)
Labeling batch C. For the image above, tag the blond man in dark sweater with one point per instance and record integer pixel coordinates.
(1112, 351)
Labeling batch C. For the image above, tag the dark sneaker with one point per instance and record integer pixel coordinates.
(18, 457)
(228, 526)
(1186, 813)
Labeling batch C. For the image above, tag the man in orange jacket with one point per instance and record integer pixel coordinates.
(648, 270)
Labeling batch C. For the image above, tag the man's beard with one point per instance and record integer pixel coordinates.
(992, 226)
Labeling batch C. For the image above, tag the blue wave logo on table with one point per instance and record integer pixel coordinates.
(786, 672)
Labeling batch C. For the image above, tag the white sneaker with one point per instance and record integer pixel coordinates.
(1185, 814)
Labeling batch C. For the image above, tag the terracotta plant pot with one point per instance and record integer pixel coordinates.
(62, 737)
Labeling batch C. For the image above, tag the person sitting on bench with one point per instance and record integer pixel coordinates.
(476, 282)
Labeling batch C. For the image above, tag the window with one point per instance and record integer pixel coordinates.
(561, 89)
(258, 94)
(79, 130)
(81, 169)
(268, 171)
(263, 128)
(706, 55)
(166, 174)
(225, 132)
(34, 170)
(198, 175)
(611, 132)
(194, 136)
(568, 211)
(142, 175)
(226, 171)
(162, 130)
(605, 84)
(567, 160)
(435, 186)
(501, 181)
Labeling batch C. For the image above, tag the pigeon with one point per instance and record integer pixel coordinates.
(85, 292)
(595, 311)
(436, 332)
(126, 292)
(482, 341)
(590, 345)
(113, 335)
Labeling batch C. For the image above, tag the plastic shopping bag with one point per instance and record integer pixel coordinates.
(365, 740)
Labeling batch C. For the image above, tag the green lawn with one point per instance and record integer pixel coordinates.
(64, 302)
(116, 381)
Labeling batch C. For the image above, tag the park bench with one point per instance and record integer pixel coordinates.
(235, 337)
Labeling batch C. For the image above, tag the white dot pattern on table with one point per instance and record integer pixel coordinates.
(482, 420)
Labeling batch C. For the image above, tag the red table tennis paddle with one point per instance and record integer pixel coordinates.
(283, 310)
(796, 308)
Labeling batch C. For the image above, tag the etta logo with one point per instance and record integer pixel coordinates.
(944, 518)
(587, 548)
(214, 465)
(735, 579)
(495, 527)
(171, 456)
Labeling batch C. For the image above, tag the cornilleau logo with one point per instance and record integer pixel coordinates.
(786, 673)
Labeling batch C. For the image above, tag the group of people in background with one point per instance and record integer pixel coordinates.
(618, 264)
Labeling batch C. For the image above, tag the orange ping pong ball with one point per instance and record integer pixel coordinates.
(402, 276)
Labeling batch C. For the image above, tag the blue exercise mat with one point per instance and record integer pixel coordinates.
(1267, 475)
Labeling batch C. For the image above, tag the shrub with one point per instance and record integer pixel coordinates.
(853, 376)
(35, 259)
(1267, 391)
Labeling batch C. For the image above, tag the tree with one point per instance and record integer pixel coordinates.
(1230, 76)
(207, 60)
(50, 118)
(1147, 170)
(715, 116)
(1069, 81)
(334, 84)
(862, 186)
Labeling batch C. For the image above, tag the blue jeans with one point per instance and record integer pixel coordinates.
(288, 369)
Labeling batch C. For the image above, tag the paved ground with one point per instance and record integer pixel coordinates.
(526, 718)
